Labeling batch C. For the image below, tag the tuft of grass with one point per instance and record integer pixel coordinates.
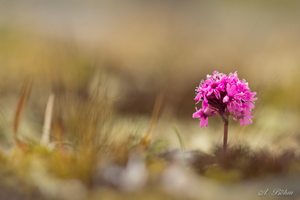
(240, 162)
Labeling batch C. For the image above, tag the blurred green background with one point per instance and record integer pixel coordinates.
(147, 48)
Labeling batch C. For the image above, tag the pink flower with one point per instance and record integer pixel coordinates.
(225, 95)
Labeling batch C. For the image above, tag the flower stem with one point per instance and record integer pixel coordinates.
(225, 120)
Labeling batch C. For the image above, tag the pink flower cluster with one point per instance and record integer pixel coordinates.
(225, 95)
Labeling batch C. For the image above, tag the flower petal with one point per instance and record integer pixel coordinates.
(203, 121)
(245, 121)
(225, 99)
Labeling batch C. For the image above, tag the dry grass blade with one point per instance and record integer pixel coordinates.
(47, 122)
(154, 119)
(25, 93)
(58, 132)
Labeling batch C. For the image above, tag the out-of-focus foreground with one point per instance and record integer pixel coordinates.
(97, 97)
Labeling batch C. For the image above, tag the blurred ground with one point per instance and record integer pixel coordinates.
(141, 50)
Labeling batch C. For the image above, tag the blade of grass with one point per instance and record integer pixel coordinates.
(154, 119)
(24, 95)
(58, 132)
(180, 139)
(47, 122)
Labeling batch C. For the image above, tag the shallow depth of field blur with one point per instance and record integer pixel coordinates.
(113, 82)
